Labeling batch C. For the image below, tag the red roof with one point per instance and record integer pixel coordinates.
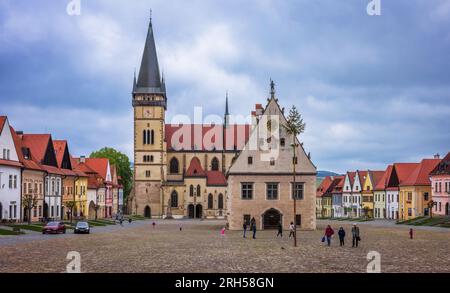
(259, 107)
(195, 169)
(10, 163)
(404, 170)
(421, 174)
(323, 187)
(210, 137)
(382, 183)
(216, 178)
(351, 177)
(443, 167)
(337, 184)
(37, 143)
(99, 165)
(362, 176)
(60, 147)
(2, 122)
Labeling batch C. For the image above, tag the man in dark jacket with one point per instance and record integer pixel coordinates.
(355, 235)
(341, 234)
(280, 230)
(244, 227)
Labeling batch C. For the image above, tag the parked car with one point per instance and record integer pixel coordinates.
(82, 227)
(54, 228)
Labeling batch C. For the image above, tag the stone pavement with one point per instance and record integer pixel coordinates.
(201, 248)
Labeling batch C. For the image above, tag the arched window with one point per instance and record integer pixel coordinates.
(144, 136)
(210, 201)
(152, 141)
(220, 203)
(191, 191)
(151, 159)
(174, 166)
(199, 191)
(174, 199)
(215, 164)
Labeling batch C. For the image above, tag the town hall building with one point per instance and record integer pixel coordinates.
(229, 171)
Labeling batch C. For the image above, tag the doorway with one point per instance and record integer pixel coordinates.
(271, 219)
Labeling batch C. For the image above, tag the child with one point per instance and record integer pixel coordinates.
(222, 232)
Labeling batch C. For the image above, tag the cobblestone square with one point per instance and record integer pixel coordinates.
(199, 247)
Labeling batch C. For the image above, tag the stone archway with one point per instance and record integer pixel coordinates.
(148, 212)
(271, 219)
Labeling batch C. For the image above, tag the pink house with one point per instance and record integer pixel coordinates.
(440, 187)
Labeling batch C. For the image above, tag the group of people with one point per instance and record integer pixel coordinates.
(252, 227)
(329, 232)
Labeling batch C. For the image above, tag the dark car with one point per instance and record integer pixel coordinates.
(54, 228)
(82, 227)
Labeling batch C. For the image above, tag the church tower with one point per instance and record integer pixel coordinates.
(149, 105)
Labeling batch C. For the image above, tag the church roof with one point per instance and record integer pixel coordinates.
(215, 178)
(195, 169)
(149, 79)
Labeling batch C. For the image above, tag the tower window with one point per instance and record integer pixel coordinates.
(147, 174)
(215, 164)
(174, 166)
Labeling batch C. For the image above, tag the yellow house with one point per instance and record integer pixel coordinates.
(367, 193)
(81, 204)
(415, 191)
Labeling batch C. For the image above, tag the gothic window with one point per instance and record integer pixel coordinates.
(199, 191)
(174, 166)
(220, 203)
(215, 164)
(210, 201)
(191, 191)
(174, 199)
(152, 136)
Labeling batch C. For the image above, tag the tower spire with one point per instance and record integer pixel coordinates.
(227, 112)
(272, 89)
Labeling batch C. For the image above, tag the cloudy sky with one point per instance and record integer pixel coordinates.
(372, 89)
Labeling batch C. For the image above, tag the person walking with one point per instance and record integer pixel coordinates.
(253, 227)
(244, 227)
(355, 236)
(121, 222)
(130, 220)
(411, 233)
(291, 230)
(280, 230)
(328, 233)
(341, 234)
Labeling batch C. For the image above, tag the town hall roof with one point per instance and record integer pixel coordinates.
(421, 174)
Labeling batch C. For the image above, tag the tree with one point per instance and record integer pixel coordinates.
(294, 127)
(71, 205)
(29, 202)
(122, 163)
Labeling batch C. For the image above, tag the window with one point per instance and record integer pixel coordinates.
(282, 142)
(215, 164)
(272, 161)
(272, 191)
(174, 166)
(148, 137)
(250, 160)
(298, 220)
(199, 191)
(440, 206)
(426, 196)
(147, 174)
(52, 212)
(210, 202)
(409, 196)
(295, 160)
(191, 190)
(409, 212)
(247, 190)
(174, 199)
(10, 181)
(297, 190)
(220, 203)
(30, 188)
(247, 219)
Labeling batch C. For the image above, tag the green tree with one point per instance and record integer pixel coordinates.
(294, 127)
(122, 163)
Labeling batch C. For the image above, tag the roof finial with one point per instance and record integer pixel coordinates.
(272, 89)
(151, 11)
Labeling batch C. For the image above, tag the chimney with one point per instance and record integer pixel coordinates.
(19, 132)
(82, 159)
(437, 156)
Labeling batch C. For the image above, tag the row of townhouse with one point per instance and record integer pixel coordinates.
(400, 192)
(39, 179)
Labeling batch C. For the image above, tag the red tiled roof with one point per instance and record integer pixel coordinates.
(94, 182)
(259, 107)
(37, 143)
(2, 122)
(10, 163)
(420, 176)
(60, 147)
(323, 187)
(195, 169)
(30, 163)
(211, 135)
(99, 165)
(215, 178)
(403, 170)
(382, 183)
(443, 167)
(337, 185)
(351, 177)
(362, 176)
(376, 176)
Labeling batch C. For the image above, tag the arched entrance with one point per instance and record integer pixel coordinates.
(271, 219)
(147, 212)
(91, 210)
(198, 211)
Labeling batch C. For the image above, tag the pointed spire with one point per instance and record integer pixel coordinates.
(134, 81)
(227, 112)
(272, 89)
(149, 79)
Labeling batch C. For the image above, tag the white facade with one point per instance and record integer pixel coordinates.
(53, 192)
(392, 198)
(10, 177)
(347, 196)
